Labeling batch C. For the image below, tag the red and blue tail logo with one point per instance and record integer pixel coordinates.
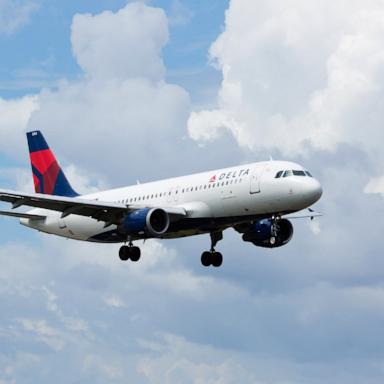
(48, 177)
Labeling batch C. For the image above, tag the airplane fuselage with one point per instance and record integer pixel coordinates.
(212, 200)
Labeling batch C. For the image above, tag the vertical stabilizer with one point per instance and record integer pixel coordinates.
(48, 177)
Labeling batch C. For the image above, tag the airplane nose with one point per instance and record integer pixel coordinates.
(313, 190)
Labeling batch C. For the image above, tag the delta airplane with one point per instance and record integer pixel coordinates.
(254, 199)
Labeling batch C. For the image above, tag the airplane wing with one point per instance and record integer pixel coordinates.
(22, 215)
(109, 212)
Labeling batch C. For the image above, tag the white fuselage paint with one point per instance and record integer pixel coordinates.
(246, 190)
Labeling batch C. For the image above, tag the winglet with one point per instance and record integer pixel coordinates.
(48, 177)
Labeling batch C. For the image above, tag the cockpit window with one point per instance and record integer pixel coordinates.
(278, 174)
(292, 173)
(288, 173)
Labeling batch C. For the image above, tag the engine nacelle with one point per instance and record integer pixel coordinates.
(151, 221)
(269, 234)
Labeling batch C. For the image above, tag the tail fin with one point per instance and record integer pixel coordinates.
(48, 177)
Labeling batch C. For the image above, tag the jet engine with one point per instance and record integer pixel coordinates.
(269, 233)
(151, 221)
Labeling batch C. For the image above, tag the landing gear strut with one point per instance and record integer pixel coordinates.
(212, 257)
(129, 252)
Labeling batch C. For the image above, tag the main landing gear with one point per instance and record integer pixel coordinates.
(129, 252)
(212, 257)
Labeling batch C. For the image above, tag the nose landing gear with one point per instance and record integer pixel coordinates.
(212, 257)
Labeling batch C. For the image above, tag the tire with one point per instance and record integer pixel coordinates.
(124, 253)
(135, 254)
(206, 259)
(217, 259)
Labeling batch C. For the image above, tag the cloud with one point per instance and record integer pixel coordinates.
(297, 77)
(123, 44)
(121, 101)
(15, 116)
(375, 185)
(180, 14)
(310, 312)
(44, 333)
(14, 14)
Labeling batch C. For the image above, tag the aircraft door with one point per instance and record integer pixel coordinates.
(255, 180)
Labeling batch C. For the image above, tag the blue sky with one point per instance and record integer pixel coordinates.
(40, 52)
(132, 94)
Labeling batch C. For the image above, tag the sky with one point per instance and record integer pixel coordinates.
(128, 91)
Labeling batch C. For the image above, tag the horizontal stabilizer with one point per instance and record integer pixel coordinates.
(308, 214)
(22, 215)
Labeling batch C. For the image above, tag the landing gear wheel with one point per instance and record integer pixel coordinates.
(135, 254)
(206, 259)
(213, 258)
(124, 253)
(217, 259)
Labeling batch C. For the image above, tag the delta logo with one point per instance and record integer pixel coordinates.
(229, 175)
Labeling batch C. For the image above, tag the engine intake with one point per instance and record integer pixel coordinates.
(151, 221)
(268, 233)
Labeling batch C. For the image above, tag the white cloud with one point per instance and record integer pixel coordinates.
(44, 333)
(179, 361)
(114, 301)
(296, 74)
(15, 116)
(180, 14)
(310, 312)
(122, 44)
(14, 14)
(109, 370)
(375, 185)
(123, 98)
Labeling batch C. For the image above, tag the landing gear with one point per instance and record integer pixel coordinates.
(129, 252)
(213, 258)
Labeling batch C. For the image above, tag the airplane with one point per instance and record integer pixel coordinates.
(255, 199)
